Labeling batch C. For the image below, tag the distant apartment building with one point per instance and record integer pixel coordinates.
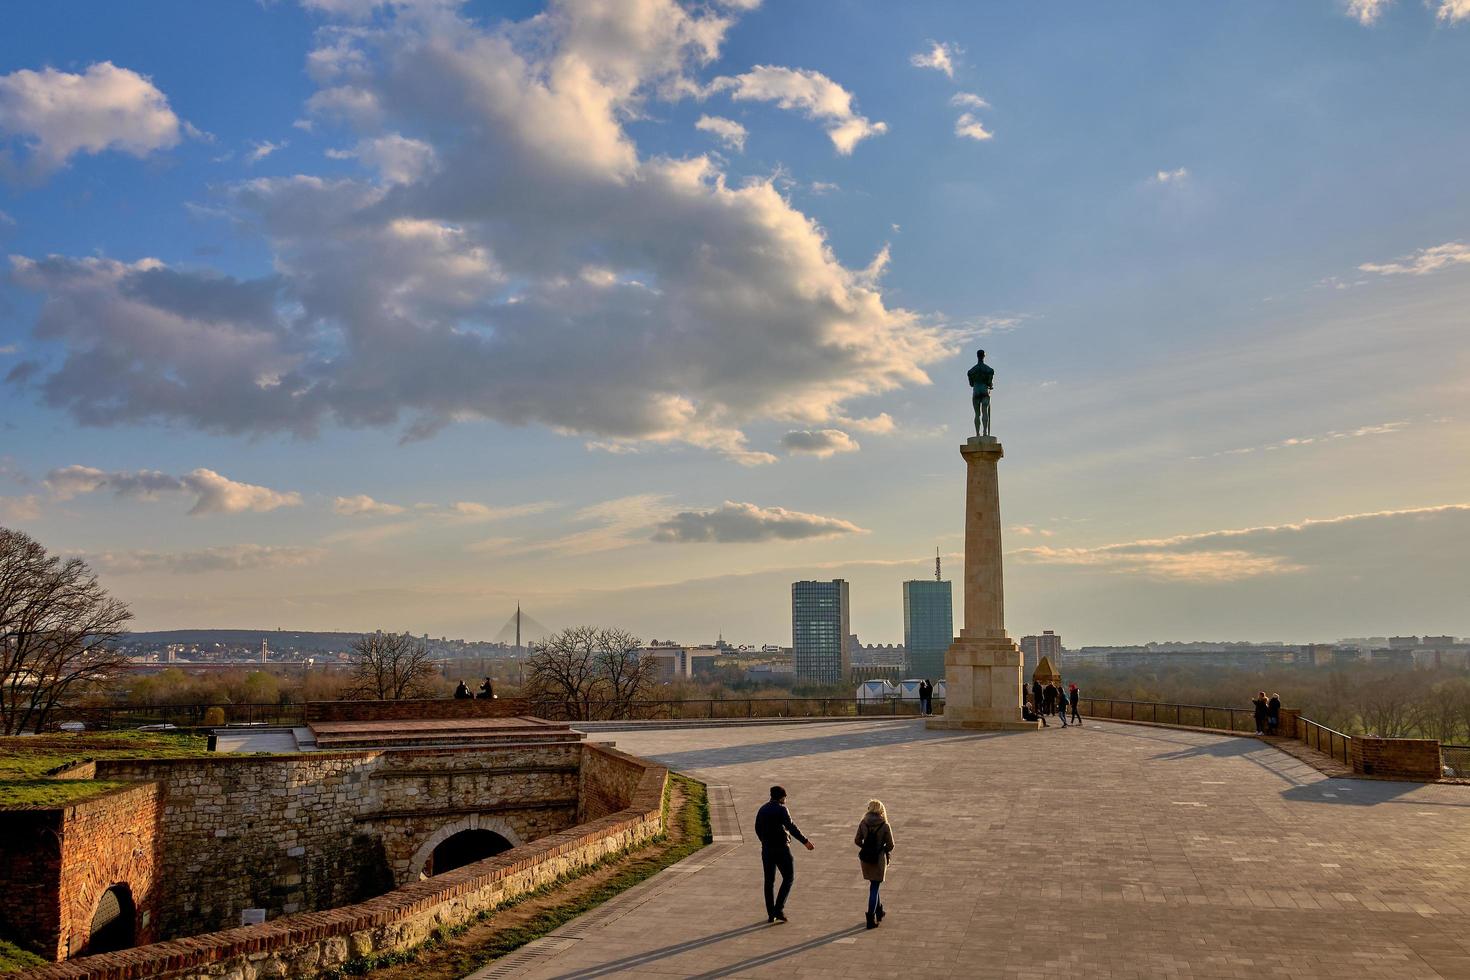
(1033, 648)
(928, 626)
(680, 663)
(1403, 642)
(878, 655)
(820, 617)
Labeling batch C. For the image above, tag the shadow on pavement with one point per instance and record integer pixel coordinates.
(839, 742)
(1362, 792)
(653, 955)
(780, 954)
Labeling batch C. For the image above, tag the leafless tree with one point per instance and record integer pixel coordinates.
(1387, 704)
(391, 667)
(624, 676)
(58, 629)
(1442, 710)
(575, 669)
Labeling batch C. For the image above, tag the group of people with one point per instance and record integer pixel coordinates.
(486, 692)
(775, 828)
(1052, 699)
(1268, 713)
(926, 697)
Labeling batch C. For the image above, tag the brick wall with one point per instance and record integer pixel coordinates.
(56, 863)
(609, 779)
(1403, 758)
(302, 945)
(416, 709)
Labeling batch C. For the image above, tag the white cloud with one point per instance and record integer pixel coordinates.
(1292, 442)
(727, 131)
(214, 494)
(1423, 261)
(57, 115)
(468, 510)
(26, 508)
(736, 523)
(456, 297)
(398, 159)
(260, 149)
(1366, 12)
(820, 443)
(940, 57)
(1237, 554)
(361, 505)
(968, 100)
(809, 92)
(1453, 11)
(881, 424)
(968, 127)
(1170, 176)
(222, 558)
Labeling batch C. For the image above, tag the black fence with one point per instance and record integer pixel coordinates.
(1163, 713)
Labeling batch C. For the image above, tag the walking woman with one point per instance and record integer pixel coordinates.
(874, 841)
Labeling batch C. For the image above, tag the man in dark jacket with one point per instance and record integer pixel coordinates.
(1036, 704)
(772, 824)
(1072, 694)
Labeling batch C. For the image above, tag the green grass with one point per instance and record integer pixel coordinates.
(25, 760)
(694, 821)
(13, 958)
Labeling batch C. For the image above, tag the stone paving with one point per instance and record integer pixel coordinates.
(1111, 851)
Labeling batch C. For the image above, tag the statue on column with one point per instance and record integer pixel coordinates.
(982, 379)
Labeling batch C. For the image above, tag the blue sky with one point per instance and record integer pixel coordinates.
(346, 315)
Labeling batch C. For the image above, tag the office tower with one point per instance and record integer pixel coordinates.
(928, 627)
(1033, 648)
(819, 631)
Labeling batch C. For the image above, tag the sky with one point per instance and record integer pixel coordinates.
(346, 314)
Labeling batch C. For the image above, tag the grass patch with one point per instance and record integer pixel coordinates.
(13, 958)
(459, 950)
(25, 761)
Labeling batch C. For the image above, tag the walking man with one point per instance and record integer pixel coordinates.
(772, 824)
(1076, 719)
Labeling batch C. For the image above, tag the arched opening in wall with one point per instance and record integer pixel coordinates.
(465, 847)
(112, 923)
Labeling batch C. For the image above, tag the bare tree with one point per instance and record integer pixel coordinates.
(390, 667)
(624, 676)
(1387, 704)
(1441, 709)
(58, 627)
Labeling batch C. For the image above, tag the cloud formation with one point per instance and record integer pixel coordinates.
(820, 443)
(970, 128)
(1292, 442)
(56, 115)
(222, 558)
(940, 57)
(736, 523)
(455, 291)
(809, 92)
(361, 505)
(1424, 261)
(1238, 554)
(214, 494)
(727, 131)
(1175, 176)
(1453, 11)
(968, 100)
(1366, 12)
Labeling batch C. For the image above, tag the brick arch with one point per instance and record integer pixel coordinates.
(475, 821)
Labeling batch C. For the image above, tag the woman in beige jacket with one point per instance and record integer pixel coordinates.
(875, 842)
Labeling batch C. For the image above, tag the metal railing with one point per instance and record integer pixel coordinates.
(1325, 740)
(1457, 757)
(1164, 713)
(182, 715)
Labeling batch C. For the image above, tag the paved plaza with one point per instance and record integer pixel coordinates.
(1112, 851)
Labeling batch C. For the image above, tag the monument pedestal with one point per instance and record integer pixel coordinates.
(982, 668)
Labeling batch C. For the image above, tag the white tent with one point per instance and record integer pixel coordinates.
(869, 691)
(908, 688)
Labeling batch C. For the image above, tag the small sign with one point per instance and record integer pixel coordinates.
(252, 917)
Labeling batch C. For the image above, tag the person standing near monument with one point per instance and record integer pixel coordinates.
(1072, 694)
(982, 379)
(772, 825)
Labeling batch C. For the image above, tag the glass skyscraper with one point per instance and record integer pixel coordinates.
(819, 630)
(928, 627)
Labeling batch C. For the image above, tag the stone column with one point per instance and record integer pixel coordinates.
(982, 668)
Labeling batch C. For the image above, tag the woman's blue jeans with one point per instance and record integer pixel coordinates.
(873, 896)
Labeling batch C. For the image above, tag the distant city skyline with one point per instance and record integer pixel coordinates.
(317, 321)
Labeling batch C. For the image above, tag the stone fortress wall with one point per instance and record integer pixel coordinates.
(198, 840)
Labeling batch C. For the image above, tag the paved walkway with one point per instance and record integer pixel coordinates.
(1111, 851)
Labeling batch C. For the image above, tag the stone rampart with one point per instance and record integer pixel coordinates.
(305, 832)
(417, 709)
(305, 944)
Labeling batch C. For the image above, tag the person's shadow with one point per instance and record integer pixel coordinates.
(654, 955)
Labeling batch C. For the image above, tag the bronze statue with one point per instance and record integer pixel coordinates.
(982, 379)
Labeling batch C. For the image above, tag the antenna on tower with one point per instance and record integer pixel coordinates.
(936, 564)
(518, 627)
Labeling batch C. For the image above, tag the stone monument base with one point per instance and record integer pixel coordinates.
(982, 686)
